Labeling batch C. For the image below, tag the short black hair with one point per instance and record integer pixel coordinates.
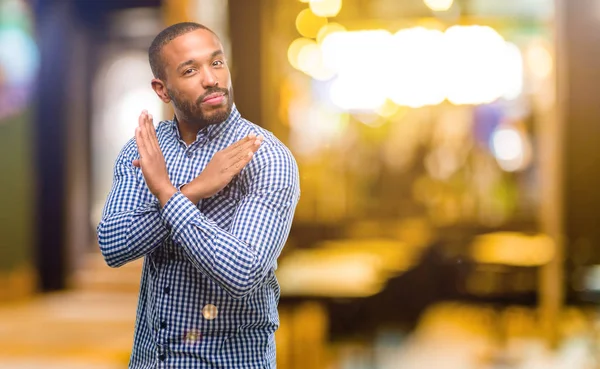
(164, 37)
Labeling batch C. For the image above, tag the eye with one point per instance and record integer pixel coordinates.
(188, 71)
(218, 63)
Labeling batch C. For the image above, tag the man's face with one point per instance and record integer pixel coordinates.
(197, 78)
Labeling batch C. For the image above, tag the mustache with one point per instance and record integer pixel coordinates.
(213, 90)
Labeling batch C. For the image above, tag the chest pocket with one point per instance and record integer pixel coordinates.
(221, 207)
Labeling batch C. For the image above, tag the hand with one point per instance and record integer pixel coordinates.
(221, 169)
(152, 161)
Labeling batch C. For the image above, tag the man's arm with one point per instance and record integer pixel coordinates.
(129, 227)
(239, 259)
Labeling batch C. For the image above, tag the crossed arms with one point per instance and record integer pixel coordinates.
(237, 259)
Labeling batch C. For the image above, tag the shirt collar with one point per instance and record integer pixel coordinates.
(213, 130)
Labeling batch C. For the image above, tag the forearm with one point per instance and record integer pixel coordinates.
(233, 263)
(193, 191)
(127, 236)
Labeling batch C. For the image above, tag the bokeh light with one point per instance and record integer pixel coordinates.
(439, 5)
(326, 8)
(308, 23)
(328, 29)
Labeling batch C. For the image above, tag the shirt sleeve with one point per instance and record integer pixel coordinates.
(239, 259)
(130, 227)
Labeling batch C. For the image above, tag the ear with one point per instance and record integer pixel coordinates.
(161, 90)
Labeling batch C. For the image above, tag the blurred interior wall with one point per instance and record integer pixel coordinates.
(54, 19)
(579, 91)
(551, 127)
(120, 90)
(72, 35)
(19, 60)
(578, 76)
(571, 159)
(245, 21)
(16, 213)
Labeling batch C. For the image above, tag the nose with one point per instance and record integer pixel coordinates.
(210, 79)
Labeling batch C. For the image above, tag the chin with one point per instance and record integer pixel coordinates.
(217, 114)
(216, 110)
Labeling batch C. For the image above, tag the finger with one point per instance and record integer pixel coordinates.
(240, 163)
(151, 132)
(136, 163)
(233, 149)
(139, 140)
(259, 140)
(251, 144)
(144, 134)
(236, 145)
(247, 153)
(149, 126)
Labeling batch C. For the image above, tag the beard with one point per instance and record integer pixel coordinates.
(192, 112)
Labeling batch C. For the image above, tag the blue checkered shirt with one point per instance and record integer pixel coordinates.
(208, 294)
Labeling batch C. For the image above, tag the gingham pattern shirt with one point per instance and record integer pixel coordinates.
(208, 294)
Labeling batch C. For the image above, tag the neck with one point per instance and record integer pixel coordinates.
(189, 130)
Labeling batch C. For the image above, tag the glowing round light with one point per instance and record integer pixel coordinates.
(321, 73)
(359, 93)
(418, 66)
(19, 57)
(417, 60)
(511, 149)
(329, 29)
(512, 71)
(476, 59)
(507, 144)
(326, 8)
(295, 48)
(439, 5)
(309, 57)
(310, 61)
(210, 312)
(193, 336)
(360, 84)
(353, 50)
(308, 24)
(539, 61)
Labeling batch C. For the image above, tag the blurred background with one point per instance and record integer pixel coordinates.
(449, 167)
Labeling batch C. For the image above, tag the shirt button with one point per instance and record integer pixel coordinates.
(189, 154)
(162, 357)
(163, 325)
(210, 312)
(167, 290)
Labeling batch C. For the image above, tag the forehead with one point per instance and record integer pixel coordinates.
(198, 44)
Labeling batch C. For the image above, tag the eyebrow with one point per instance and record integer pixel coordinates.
(192, 61)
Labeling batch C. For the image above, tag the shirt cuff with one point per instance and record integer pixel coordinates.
(179, 211)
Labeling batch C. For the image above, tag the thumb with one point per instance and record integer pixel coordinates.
(136, 163)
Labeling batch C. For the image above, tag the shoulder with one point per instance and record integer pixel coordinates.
(273, 161)
(272, 150)
(129, 152)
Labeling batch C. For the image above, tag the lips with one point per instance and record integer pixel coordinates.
(213, 97)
